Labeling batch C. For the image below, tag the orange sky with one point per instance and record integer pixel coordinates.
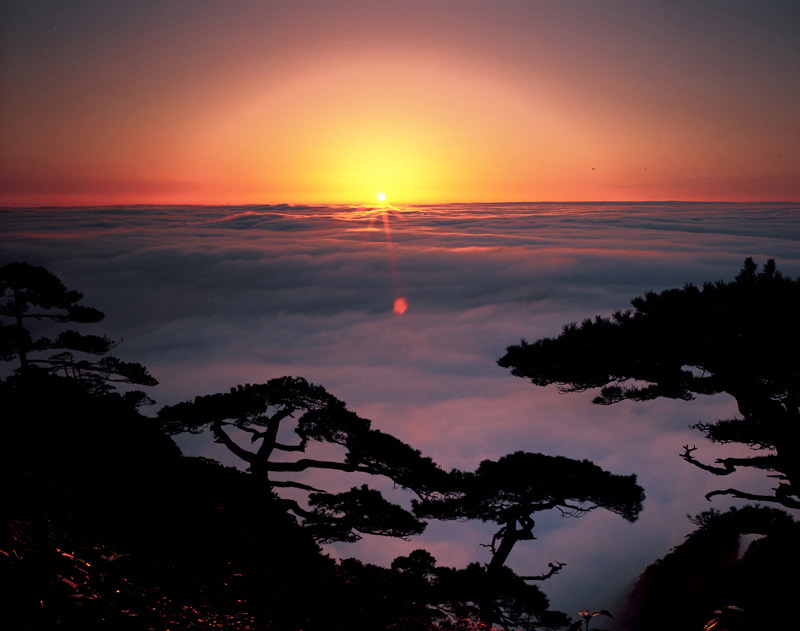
(434, 101)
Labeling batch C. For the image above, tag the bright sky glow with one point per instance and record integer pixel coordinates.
(315, 102)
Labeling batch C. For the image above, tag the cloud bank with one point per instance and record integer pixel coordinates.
(208, 297)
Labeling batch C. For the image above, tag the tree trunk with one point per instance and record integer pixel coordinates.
(501, 554)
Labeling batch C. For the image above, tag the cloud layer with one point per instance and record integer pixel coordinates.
(208, 297)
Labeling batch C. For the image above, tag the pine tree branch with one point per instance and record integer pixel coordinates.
(282, 447)
(555, 568)
(688, 457)
(308, 463)
(295, 485)
(221, 436)
(780, 497)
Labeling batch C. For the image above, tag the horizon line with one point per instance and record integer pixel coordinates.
(386, 204)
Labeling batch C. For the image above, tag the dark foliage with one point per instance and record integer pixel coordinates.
(712, 577)
(262, 412)
(416, 594)
(522, 480)
(739, 338)
(332, 516)
(510, 490)
(109, 527)
(106, 526)
(34, 294)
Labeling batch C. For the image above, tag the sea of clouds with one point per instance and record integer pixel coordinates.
(209, 297)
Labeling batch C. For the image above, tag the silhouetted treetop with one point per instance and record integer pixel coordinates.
(510, 490)
(34, 294)
(250, 406)
(252, 421)
(417, 594)
(680, 342)
(524, 483)
(35, 287)
(341, 517)
(739, 337)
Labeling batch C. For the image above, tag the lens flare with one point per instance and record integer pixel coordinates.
(384, 214)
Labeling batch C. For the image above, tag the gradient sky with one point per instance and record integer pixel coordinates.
(210, 297)
(247, 101)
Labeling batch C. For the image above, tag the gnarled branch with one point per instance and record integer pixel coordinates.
(555, 568)
(299, 447)
(729, 465)
(309, 463)
(295, 485)
(781, 496)
(221, 436)
(688, 457)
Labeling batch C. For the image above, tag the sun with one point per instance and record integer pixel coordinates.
(381, 197)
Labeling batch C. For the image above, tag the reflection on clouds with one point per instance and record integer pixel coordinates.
(208, 297)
